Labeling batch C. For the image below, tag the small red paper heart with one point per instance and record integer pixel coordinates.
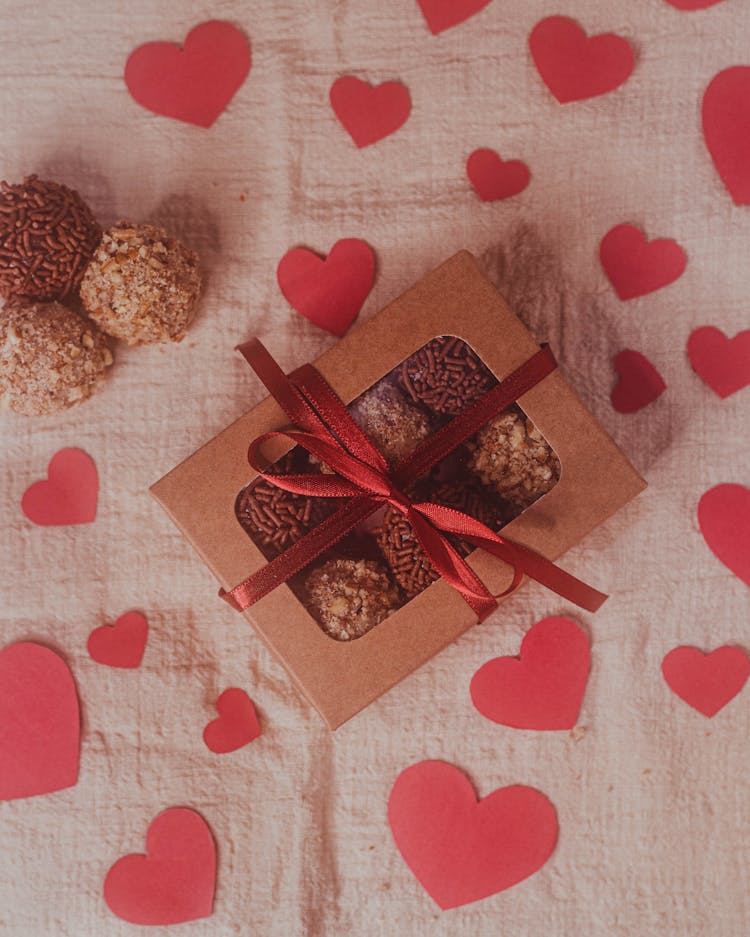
(461, 849)
(194, 83)
(544, 687)
(328, 291)
(174, 882)
(574, 66)
(121, 644)
(443, 14)
(639, 385)
(237, 723)
(369, 113)
(723, 363)
(724, 519)
(39, 722)
(494, 179)
(693, 4)
(726, 129)
(636, 266)
(707, 682)
(69, 494)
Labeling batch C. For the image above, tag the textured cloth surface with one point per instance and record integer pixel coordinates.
(652, 798)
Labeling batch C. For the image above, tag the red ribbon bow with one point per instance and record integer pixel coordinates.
(362, 476)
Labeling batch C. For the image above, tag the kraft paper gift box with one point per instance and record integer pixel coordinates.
(340, 678)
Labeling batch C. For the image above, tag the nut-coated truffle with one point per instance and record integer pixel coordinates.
(349, 597)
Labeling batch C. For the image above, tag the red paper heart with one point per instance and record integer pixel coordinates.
(443, 14)
(636, 266)
(707, 682)
(237, 723)
(461, 849)
(494, 179)
(194, 83)
(544, 688)
(574, 66)
(329, 292)
(69, 494)
(175, 881)
(723, 363)
(724, 519)
(639, 385)
(693, 4)
(726, 129)
(121, 644)
(39, 722)
(369, 113)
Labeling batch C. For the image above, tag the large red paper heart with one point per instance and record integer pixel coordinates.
(636, 266)
(237, 723)
(121, 644)
(68, 495)
(543, 688)
(329, 292)
(174, 881)
(639, 385)
(693, 4)
(494, 179)
(724, 519)
(443, 14)
(574, 66)
(461, 849)
(707, 682)
(39, 722)
(726, 128)
(194, 83)
(369, 113)
(723, 363)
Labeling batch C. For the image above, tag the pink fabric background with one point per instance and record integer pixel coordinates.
(653, 799)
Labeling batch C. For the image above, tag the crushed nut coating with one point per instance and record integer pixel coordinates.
(349, 597)
(142, 286)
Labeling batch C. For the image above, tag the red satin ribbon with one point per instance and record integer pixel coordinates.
(362, 476)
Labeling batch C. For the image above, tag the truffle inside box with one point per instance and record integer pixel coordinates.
(370, 611)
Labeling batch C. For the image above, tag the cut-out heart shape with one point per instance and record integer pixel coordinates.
(194, 83)
(174, 882)
(636, 266)
(444, 14)
(328, 291)
(369, 113)
(121, 644)
(461, 849)
(494, 179)
(544, 687)
(726, 129)
(724, 519)
(39, 722)
(639, 385)
(723, 363)
(237, 723)
(574, 66)
(68, 495)
(693, 4)
(707, 682)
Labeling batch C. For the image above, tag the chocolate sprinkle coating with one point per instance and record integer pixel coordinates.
(445, 375)
(349, 597)
(274, 518)
(47, 236)
(406, 559)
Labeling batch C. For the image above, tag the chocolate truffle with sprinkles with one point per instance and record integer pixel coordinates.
(50, 358)
(398, 543)
(142, 285)
(47, 236)
(511, 455)
(275, 518)
(349, 597)
(445, 375)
